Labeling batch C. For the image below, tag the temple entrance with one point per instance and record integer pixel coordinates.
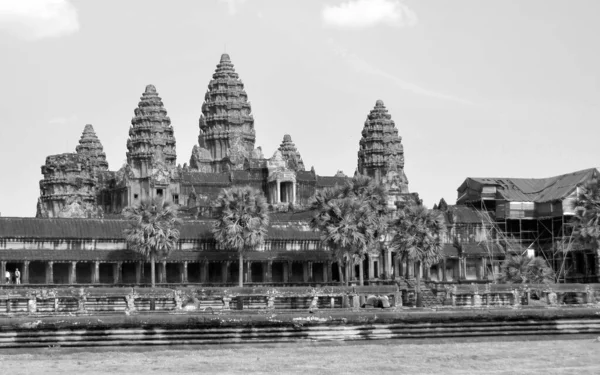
(317, 272)
(37, 272)
(234, 271)
(106, 271)
(194, 272)
(83, 273)
(128, 273)
(286, 192)
(335, 272)
(60, 273)
(277, 272)
(256, 269)
(297, 273)
(174, 273)
(12, 267)
(214, 272)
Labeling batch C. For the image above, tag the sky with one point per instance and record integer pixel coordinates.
(476, 88)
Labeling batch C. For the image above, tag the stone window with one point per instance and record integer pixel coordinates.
(135, 196)
(159, 192)
(176, 198)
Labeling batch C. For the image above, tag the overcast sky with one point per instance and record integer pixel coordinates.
(476, 88)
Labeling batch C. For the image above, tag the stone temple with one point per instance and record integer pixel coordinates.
(77, 236)
(80, 185)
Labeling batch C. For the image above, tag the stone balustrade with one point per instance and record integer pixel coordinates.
(97, 300)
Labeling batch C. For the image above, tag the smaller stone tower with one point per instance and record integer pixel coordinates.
(291, 154)
(90, 146)
(68, 188)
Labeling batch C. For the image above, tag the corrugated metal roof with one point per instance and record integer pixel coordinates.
(529, 189)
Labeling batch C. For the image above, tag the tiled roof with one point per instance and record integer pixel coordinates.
(330, 181)
(113, 229)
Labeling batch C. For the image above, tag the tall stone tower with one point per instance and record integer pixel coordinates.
(151, 137)
(90, 146)
(381, 154)
(226, 123)
(151, 152)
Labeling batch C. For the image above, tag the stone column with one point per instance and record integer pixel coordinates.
(460, 268)
(25, 275)
(204, 271)
(96, 273)
(50, 273)
(305, 272)
(287, 268)
(310, 272)
(138, 272)
(269, 272)
(325, 273)
(294, 192)
(444, 277)
(225, 271)
(371, 267)
(249, 271)
(329, 271)
(183, 269)
(3, 272)
(410, 265)
(117, 271)
(278, 200)
(388, 262)
(73, 273)
(396, 267)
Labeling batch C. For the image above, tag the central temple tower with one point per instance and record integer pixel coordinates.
(226, 122)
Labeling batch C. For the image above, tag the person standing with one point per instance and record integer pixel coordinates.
(17, 276)
(7, 276)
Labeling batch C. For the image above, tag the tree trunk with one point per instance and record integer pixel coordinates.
(418, 286)
(241, 270)
(152, 267)
(361, 281)
(340, 272)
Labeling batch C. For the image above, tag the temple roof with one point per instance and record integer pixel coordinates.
(90, 145)
(282, 228)
(536, 190)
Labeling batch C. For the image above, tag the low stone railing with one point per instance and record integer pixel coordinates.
(492, 295)
(130, 300)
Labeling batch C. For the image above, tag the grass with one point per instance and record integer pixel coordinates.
(378, 357)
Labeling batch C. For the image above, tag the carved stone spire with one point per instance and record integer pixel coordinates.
(226, 113)
(90, 146)
(151, 137)
(291, 154)
(381, 155)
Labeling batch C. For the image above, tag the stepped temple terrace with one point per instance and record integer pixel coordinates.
(78, 234)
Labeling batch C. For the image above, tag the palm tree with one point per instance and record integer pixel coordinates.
(417, 237)
(586, 222)
(242, 221)
(519, 269)
(153, 232)
(351, 219)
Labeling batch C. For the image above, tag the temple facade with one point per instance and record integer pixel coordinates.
(77, 236)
